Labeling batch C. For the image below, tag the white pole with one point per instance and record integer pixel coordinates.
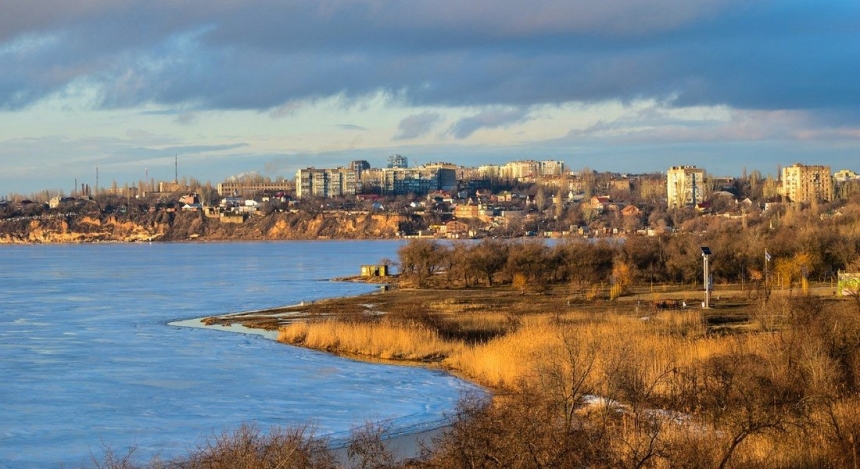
(707, 284)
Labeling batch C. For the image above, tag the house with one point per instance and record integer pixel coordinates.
(631, 211)
(440, 196)
(599, 202)
(466, 211)
(380, 270)
(456, 229)
(620, 185)
(58, 200)
(232, 202)
(189, 199)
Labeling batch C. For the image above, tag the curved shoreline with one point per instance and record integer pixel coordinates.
(404, 443)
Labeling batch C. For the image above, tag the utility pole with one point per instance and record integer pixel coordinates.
(706, 252)
(766, 262)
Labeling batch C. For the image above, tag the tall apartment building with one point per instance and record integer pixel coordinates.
(520, 169)
(528, 169)
(312, 182)
(358, 166)
(684, 186)
(489, 171)
(398, 161)
(421, 180)
(805, 184)
(551, 168)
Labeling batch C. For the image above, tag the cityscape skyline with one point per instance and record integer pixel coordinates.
(270, 87)
(99, 183)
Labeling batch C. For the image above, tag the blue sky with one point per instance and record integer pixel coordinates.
(270, 86)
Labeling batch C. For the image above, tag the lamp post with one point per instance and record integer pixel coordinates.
(706, 252)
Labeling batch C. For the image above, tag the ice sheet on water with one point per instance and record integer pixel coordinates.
(107, 369)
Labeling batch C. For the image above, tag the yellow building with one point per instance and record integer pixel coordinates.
(685, 185)
(805, 184)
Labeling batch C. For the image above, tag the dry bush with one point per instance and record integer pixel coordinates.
(111, 459)
(366, 448)
(521, 432)
(248, 447)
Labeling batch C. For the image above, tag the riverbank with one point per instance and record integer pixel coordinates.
(654, 354)
(401, 443)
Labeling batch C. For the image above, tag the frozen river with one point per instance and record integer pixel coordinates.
(88, 359)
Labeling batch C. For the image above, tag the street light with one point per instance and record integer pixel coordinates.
(706, 251)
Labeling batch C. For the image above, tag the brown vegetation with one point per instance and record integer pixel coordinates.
(773, 389)
(671, 393)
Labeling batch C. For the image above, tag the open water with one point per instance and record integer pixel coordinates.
(88, 359)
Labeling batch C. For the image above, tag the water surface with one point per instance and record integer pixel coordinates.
(88, 359)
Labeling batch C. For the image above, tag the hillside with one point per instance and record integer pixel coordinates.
(185, 226)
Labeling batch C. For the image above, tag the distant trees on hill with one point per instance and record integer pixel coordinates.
(802, 247)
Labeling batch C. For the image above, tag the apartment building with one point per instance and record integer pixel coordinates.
(420, 180)
(805, 184)
(685, 185)
(248, 189)
(313, 182)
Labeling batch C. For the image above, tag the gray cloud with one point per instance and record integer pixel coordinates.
(265, 54)
(417, 125)
(490, 119)
(351, 127)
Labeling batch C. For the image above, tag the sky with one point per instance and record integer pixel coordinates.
(123, 88)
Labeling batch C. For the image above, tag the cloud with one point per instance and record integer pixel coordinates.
(267, 55)
(489, 119)
(417, 125)
(351, 127)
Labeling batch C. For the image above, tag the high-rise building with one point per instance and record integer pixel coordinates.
(805, 184)
(521, 169)
(312, 182)
(398, 161)
(685, 186)
(551, 168)
(421, 180)
(358, 166)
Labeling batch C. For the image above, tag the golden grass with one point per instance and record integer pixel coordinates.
(662, 342)
(378, 340)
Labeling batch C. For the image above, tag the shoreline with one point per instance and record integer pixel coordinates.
(405, 443)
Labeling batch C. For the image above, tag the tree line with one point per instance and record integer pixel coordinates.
(788, 248)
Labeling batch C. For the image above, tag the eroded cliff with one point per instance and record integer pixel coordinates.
(186, 226)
